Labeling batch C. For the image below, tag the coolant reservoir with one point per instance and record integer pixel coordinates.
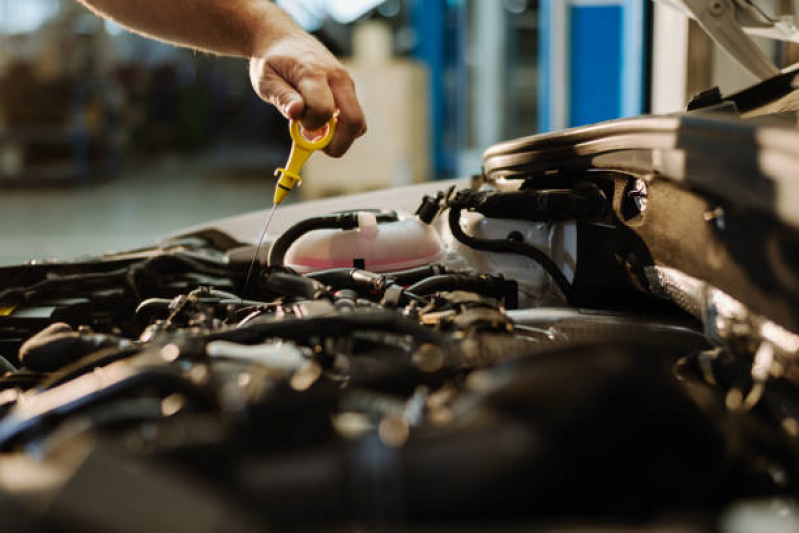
(378, 247)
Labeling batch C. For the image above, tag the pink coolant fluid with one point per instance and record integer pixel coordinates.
(377, 247)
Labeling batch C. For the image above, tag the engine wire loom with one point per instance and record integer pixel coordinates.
(427, 395)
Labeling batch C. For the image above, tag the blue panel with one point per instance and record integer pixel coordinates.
(544, 65)
(429, 21)
(633, 78)
(596, 63)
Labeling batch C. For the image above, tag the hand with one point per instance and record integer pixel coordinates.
(300, 77)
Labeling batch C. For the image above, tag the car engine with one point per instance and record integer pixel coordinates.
(447, 368)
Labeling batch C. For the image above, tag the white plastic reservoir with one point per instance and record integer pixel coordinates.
(378, 247)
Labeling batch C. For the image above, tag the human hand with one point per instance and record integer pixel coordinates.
(305, 82)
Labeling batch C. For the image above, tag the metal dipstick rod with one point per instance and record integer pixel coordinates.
(301, 150)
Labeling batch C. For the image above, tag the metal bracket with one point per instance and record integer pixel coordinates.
(728, 22)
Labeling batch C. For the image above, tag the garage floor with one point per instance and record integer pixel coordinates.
(134, 208)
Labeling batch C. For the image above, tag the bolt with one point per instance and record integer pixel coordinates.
(638, 194)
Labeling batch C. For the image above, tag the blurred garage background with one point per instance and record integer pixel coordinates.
(108, 140)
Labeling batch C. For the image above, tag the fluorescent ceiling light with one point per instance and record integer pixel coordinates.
(26, 16)
(309, 14)
(347, 11)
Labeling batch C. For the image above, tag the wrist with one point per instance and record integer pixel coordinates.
(270, 25)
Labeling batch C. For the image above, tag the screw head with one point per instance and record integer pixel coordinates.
(637, 197)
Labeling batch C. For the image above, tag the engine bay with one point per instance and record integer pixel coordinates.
(377, 368)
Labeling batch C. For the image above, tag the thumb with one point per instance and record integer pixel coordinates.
(295, 108)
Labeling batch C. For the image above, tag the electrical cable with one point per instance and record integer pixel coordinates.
(153, 267)
(508, 246)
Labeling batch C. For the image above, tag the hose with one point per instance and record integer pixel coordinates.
(412, 275)
(554, 417)
(574, 327)
(507, 246)
(345, 221)
(135, 275)
(46, 286)
(293, 285)
(351, 278)
(58, 345)
(152, 270)
(329, 326)
(583, 202)
(487, 285)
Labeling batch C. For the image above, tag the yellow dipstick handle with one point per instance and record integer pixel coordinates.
(301, 150)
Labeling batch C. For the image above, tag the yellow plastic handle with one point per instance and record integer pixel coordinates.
(321, 143)
(301, 150)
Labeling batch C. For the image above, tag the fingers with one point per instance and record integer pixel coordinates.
(295, 109)
(351, 122)
(311, 88)
(319, 102)
(272, 88)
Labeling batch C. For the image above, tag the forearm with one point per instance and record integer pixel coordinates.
(228, 27)
(288, 67)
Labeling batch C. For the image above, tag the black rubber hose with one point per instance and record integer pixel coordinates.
(535, 441)
(585, 202)
(341, 220)
(58, 345)
(129, 380)
(329, 326)
(350, 278)
(277, 253)
(491, 286)
(86, 364)
(413, 275)
(507, 246)
(142, 275)
(293, 285)
(342, 278)
(148, 270)
(338, 278)
(70, 281)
